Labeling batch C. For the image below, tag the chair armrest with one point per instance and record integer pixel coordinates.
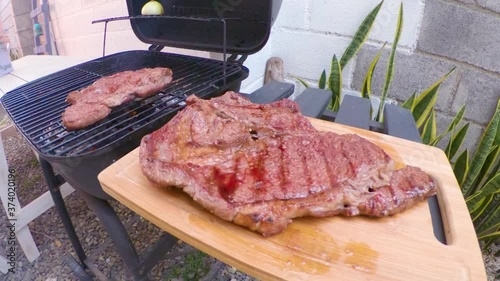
(313, 102)
(272, 91)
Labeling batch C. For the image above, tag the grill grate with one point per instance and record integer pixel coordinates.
(36, 107)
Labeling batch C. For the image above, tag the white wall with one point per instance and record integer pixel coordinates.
(308, 32)
(75, 35)
(8, 24)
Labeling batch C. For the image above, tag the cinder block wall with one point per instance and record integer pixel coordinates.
(437, 36)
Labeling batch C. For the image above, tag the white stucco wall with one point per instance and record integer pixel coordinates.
(308, 32)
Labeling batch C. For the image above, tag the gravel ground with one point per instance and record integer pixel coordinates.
(54, 245)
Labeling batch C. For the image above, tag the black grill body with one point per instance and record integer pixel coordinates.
(231, 27)
(79, 156)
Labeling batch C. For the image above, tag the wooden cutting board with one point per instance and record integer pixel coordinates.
(402, 247)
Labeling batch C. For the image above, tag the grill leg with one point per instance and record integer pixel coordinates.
(109, 219)
(55, 192)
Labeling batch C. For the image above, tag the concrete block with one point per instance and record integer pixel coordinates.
(21, 7)
(80, 46)
(292, 14)
(78, 24)
(468, 1)
(90, 3)
(64, 8)
(5, 6)
(55, 31)
(27, 51)
(126, 40)
(493, 5)
(481, 93)
(415, 72)
(110, 10)
(306, 54)
(5, 12)
(462, 34)
(344, 17)
(26, 38)
(7, 21)
(24, 22)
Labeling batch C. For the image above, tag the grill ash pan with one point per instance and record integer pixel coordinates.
(80, 155)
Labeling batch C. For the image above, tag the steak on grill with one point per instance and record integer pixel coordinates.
(94, 103)
(259, 166)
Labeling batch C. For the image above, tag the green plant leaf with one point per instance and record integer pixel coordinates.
(423, 106)
(482, 151)
(477, 206)
(410, 102)
(495, 170)
(497, 138)
(430, 128)
(458, 117)
(366, 90)
(488, 243)
(480, 211)
(426, 101)
(438, 139)
(390, 67)
(303, 82)
(461, 167)
(494, 236)
(334, 103)
(488, 166)
(456, 141)
(335, 83)
(489, 188)
(360, 36)
(322, 80)
(490, 215)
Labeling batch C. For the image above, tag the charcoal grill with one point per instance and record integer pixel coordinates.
(234, 28)
(36, 110)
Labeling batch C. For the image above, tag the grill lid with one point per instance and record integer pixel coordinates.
(199, 24)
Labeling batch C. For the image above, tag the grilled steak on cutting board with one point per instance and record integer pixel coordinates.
(259, 166)
(94, 103)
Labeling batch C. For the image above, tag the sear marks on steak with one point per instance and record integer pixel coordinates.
(259, 166)
(94, 103)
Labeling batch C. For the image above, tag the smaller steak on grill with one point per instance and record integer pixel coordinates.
(259, 166)
(94, 103)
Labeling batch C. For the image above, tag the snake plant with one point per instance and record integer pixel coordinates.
(390, 66)
(478, 175)
(334, 83)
